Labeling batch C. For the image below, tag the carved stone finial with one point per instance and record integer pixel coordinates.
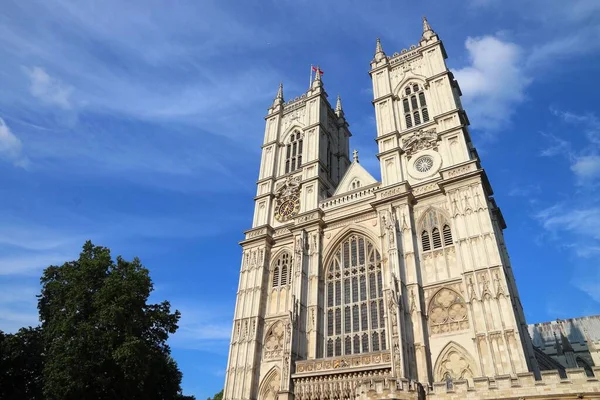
(338, 104)
(379, 53)
(355, 155)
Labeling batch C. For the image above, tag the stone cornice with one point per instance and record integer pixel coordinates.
(389, 193)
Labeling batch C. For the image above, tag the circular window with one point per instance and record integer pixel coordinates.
(424, 163)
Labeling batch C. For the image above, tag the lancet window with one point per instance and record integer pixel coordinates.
(354, 317)
(414, 105)
(436, 232)
(293, 153)
(281, 271)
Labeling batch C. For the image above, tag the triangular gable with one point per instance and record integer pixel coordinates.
(355, 177)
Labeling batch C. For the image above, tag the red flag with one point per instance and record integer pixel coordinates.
(317, 69)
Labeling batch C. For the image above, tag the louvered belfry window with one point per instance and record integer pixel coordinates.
(293, 153)
(281, 268)
(354, 317)
(436, 232)
(414, 105)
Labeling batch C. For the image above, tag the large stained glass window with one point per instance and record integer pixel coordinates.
(354, 299)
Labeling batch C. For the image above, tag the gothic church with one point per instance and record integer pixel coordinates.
(351, 288)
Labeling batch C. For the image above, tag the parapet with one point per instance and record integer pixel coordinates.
(576, 385)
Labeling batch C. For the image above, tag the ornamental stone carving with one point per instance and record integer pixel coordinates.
(273, 347)
(454, 363)
(419, 141)
(447, 312)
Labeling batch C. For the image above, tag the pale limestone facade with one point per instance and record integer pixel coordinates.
(354, 288)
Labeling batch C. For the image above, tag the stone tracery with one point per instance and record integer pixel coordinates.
(447, 312)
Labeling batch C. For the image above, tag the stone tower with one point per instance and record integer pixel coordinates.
(346, 280)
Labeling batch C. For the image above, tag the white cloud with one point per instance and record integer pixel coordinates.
(586, 168)
(581, 221)
(494, 83)
(11, 147)
(557, 147)
(48, 89)
(525, 190)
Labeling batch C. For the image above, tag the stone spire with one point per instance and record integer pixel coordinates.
(338, 107)
(279, 97)
(379, 54)
(428, 33)
(317, 82)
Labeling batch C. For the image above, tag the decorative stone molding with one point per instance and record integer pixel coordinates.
(336, 387)
(324, 366)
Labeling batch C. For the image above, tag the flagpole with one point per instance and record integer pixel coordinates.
(310, 79)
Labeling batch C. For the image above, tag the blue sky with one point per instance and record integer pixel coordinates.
(138, 125)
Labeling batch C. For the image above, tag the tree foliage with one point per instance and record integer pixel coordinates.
(101, 338)
(218, 396)
(21, 362)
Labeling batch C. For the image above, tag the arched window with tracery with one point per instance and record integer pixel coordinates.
(293, 153)
(354, 306)
(414, 105)
(281, 271)
(435, 231)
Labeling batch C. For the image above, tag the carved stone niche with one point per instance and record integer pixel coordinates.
(447, 312)
(419, 141)
(274, 341)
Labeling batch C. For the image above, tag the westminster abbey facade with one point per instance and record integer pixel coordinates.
(353, 288)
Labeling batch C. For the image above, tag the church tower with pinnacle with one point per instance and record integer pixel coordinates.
(351, 288)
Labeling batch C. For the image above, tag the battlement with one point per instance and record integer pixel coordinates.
(576, 384)
(404, 55)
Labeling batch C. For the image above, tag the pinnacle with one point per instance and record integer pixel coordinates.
(279, 97)
(378, 48)
(426, 26)
(338, 104)
(428, 33)
(379, 53)
(317, 80)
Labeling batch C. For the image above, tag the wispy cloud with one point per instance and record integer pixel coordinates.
(11, 147)
(18, 306)
(48, 89)
(493, 83)
(206, 328)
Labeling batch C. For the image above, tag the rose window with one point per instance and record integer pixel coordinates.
(424, 163)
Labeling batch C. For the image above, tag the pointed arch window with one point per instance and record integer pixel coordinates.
(293, 152)
(281, 272)
(414, 105)
(436, 233)
(354, 315)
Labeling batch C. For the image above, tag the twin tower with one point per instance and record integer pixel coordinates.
(345, 279)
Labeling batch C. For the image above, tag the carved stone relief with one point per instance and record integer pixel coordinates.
(273, 345)
(448, 312)
(419, 141)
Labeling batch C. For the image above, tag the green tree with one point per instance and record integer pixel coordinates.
(21, 362)
(218, 396)
(102, 340)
